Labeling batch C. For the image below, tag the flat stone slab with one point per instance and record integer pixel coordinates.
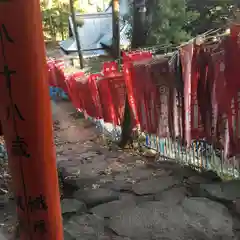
(95, 197)
(123, 176)
(140, 174)
(86, 226)
(66, 236)
(211, 216)
(120, 186)
(154, 186)
(72, 206)
(112, 208)
(197, 180)
(228, 191)
(197, 219)
(172, 196)
(144, 220)
(116, 166)
(83, 168)
(82, 182)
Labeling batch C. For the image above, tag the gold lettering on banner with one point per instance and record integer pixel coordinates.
(238, 99)
(195, 111)
(164, 111)
(143, 113)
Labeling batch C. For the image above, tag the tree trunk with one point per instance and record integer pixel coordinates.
(115, 27)
(139, 26)
(71, 3)
(138, 40)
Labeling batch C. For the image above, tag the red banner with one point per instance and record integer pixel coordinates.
(73, 90)
(162, 98)
(51, 73)
(109, 68)
(117, 88)
(142, 87)
(128, 71)
(108, 111)
(193, 125)
(86, 96)
(136, 56)
(93, 78)
(60, 76)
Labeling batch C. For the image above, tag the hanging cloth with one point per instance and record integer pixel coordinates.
(204, 89)
(193, 125)
(175, 65)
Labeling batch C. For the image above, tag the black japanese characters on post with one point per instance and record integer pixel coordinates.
(40, 226)
(37, 203)
(17, 111)
(19, 147)
(33, 203)
(20, 203)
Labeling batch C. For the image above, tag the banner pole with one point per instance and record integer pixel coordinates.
(26, 119)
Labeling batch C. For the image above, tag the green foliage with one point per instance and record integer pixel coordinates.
(55, 19)
(212, 14)
(175, 21)
(55, 22)
(167, 19)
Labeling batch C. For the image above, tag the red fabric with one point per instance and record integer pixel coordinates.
(108, 111)
(136, 56)
(178, 110)
(109, 67)
(231, 97)
(95, 95)
(60, 76)
(73, 90)
(51, 73)
(88, 96)
(83, 93)
(233, 123)
(162, 99)
(128, 59)
(127, 71)
(232, 59)
(142, 93)
(225, 96)
(117, 88)
(193, 126)
(222, 126)
(217, 99)
(205, 71)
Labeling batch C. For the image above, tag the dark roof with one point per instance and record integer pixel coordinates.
(96, 32)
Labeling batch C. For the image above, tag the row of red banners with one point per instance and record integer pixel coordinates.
(101, 96)
(203, 105)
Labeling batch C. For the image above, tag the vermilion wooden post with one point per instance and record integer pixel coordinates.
(26, 120)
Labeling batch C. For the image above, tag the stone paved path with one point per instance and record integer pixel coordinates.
(118, 195)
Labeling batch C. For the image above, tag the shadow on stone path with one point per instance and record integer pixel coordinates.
(118, 195)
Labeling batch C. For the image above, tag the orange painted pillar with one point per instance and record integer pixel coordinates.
(26, 120)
